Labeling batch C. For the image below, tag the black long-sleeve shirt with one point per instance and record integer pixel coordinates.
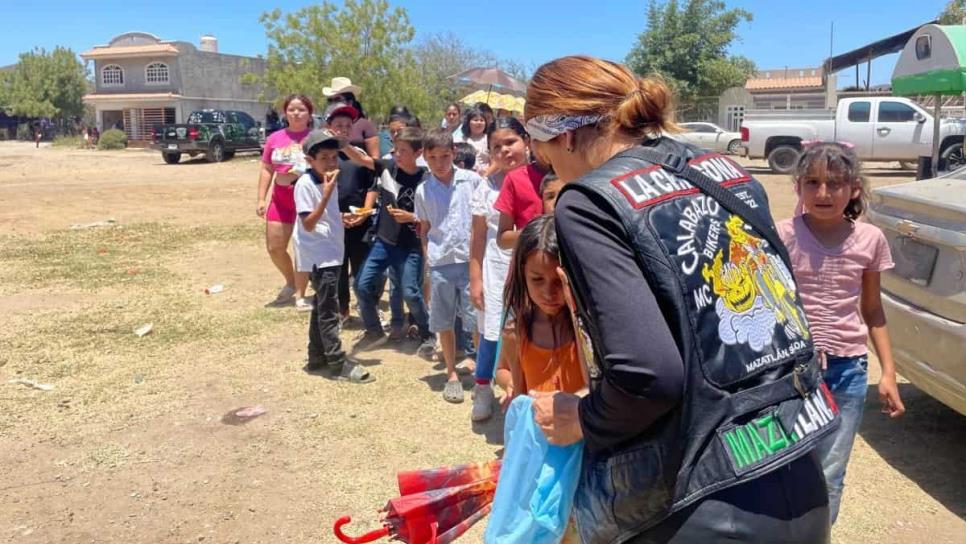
(643, 373)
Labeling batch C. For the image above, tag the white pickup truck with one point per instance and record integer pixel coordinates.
(881, 129)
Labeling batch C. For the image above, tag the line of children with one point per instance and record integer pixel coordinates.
(426, 220)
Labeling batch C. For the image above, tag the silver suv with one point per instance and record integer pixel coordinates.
(925, 294)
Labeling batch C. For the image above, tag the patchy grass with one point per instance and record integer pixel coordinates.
(94, 258)
(91, 348)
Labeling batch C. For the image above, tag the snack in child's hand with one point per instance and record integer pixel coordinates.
(361, 211)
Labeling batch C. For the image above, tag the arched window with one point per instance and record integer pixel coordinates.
(156, 73)
(112, 76)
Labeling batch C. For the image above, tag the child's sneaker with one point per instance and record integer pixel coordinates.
(284, 296)
(303, 304)
(370, 340)
(483, 398)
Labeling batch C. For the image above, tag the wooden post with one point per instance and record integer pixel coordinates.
(935, 134)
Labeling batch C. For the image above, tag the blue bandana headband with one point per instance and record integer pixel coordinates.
(544, 128)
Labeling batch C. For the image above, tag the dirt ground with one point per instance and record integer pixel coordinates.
(129, 445)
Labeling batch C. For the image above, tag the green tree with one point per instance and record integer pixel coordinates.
(45, 85)
(688, 45)
(364, 40)
(954, 13)
(440, 56)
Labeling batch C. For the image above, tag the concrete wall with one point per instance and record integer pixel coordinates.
(216, 75)
(734, 97)
(777, 100)
(134, 76)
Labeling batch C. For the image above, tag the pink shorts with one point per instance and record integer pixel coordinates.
(282, 207)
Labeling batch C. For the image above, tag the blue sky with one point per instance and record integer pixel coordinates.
(783, 33)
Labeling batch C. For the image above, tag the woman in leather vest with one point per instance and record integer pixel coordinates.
(584, 116)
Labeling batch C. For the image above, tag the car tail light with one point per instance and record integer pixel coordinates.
(744, 134)
(154, 134)
(193, 133)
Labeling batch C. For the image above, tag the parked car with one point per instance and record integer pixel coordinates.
(216, 134)
(711, 137)
(925, 294)
(881, 128)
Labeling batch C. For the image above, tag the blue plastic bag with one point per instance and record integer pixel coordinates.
(537, 483)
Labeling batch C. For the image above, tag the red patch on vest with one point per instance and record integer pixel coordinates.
(653, 184)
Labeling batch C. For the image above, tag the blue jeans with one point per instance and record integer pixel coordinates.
(847, 378)
(407, 266)
(486, 359)
(398, 318)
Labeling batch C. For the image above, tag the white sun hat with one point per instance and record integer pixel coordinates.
(341, 85)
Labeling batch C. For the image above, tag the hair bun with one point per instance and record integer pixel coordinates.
(647, 110)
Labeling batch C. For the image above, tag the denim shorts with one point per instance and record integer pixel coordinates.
(449, 287)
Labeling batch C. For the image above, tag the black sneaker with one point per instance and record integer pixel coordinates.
(427, 349)
(370, 340)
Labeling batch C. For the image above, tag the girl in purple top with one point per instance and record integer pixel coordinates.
(837, 262)
(282, 164)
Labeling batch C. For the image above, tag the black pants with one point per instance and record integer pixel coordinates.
(788, 505)
(324, 343)
(356, 251)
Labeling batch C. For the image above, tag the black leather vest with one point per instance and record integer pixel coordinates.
(753, 396)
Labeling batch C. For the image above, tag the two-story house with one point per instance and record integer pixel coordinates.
(142, 81)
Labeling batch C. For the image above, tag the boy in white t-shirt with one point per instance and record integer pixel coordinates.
(320, 248)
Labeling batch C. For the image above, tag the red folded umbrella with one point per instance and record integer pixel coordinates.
(435, 506)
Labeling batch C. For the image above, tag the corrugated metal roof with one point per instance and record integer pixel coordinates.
(874, 50)
(760, 84)
(165, 49)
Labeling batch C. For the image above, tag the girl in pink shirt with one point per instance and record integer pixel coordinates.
(837, 262)
(282, 164)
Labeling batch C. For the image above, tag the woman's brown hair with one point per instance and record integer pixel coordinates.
(579, 85)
